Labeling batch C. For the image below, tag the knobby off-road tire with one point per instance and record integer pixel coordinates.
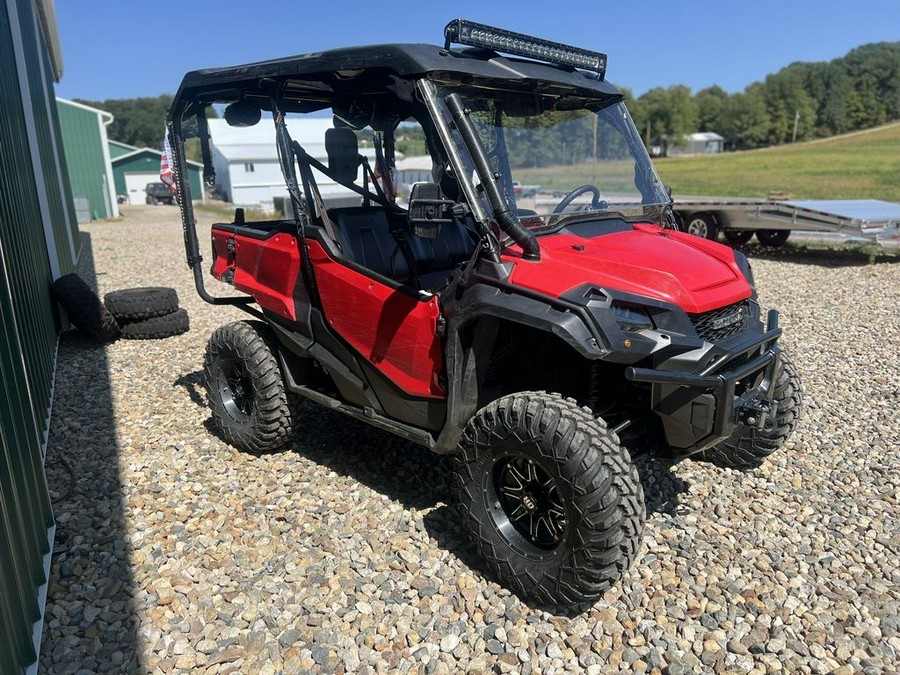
(748, 447)
(551, 498)
(158, 327)
(84, 308)
(245, 387)
(135, 304)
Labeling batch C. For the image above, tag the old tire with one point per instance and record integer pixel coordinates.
(134, 304)
(84, 308)
(250, 405)
(772, 238)
(737, 237)
(157, 327)
(551, 498)
(748, 447)
(701, 225)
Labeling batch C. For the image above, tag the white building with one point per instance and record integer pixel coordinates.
(415, 169)
(701, 142)
(246, 162)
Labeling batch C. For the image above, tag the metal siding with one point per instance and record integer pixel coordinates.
(38, 74)
(28, 329)
(84, 156)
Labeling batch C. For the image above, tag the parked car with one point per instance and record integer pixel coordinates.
(159, 193)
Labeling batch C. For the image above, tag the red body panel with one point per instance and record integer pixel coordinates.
(696, 274)
(395, 332)
(267, 269)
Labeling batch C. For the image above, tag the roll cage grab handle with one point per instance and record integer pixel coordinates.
(188, 223)
(508, 222)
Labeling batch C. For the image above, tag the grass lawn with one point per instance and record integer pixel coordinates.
(864, 165)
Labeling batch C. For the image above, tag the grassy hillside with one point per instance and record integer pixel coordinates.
(863, 165)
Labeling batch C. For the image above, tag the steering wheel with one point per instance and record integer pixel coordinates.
(596, 202)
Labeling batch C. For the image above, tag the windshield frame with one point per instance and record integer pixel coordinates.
(647, 200)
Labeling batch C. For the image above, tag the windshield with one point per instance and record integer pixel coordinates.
(559, 156)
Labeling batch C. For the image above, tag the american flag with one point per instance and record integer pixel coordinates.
(166, 174)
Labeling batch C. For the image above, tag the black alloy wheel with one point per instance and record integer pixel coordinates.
(530, 501)
(250, 405)
(552, 500)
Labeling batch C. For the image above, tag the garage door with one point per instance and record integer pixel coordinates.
(135, 184)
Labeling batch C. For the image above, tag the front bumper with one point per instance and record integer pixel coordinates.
(701, 409)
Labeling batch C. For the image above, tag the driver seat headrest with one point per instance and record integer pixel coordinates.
(343, 154)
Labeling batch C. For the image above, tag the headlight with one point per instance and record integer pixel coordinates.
(632, 319)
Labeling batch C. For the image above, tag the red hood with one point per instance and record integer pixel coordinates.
(696, 274)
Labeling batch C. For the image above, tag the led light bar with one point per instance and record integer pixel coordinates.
(463, 32)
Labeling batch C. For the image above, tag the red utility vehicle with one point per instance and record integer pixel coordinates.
(541, 344)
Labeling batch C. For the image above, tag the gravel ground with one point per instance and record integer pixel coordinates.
(343, 553)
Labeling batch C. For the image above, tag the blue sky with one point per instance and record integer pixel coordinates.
(125, 49)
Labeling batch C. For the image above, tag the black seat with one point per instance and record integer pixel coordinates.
(365, 238)
(437, 258)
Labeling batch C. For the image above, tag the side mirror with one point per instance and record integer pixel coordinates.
(242, 114)
(428, 210)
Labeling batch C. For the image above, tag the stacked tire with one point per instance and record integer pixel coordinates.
(134, 313)
(86, 312)
(147, 313)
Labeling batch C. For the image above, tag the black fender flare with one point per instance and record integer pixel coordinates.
(473, 321)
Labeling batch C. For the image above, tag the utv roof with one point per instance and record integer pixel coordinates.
(376, 69)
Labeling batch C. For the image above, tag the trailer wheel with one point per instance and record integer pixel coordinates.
(772, 237)
(552, 500)
(737, 237)
(701, 225)
(249, 402)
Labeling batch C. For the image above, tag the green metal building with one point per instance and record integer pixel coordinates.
(134, 167)
(87, 155)
(38, 243)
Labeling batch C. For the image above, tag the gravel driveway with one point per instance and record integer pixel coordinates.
(343, 553)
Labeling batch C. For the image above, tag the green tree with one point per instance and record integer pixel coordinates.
(747, 119)
(712, 104)
(789, 106)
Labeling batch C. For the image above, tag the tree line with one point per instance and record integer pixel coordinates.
(802, 101)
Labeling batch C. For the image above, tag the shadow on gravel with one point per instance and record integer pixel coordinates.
(90, 623)
(822, 257)
(417, 478)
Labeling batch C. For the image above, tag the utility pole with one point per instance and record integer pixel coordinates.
(796, 121)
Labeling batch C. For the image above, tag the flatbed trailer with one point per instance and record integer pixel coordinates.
(772, 220)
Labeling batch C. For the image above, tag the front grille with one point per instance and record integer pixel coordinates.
(721, 323)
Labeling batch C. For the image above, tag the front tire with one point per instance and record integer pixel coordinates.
(552, 500)
(245, 388)
(748, 447)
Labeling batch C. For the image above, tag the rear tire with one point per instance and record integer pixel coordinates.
(245, 388)
(772, 238)
(552, 500)
(701, 225)
(748, 447)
